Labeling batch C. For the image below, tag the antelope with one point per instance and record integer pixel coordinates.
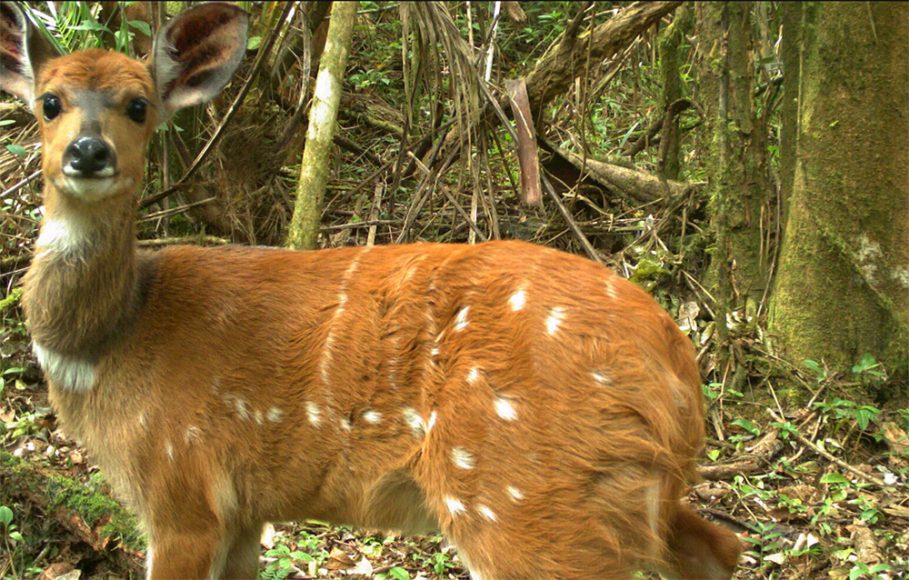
(540, 411)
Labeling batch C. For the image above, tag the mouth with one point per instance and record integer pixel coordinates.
(73, 173)
(92, 187)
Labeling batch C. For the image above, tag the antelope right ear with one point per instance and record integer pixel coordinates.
(22, 53)
(196, 53)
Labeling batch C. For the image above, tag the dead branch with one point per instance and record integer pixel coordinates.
(641, 186)
(528, 157)
(758, 457)
(554, 73)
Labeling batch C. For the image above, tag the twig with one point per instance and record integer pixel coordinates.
(200, 239)
(16, 187)
(451, 198)
(374, 212)
(585, 243)
(176, 210)
(827, 455)
(354, 225)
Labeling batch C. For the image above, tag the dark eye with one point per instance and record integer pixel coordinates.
(136, 108)
(51, 106)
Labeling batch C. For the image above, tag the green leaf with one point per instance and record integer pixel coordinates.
(399, 573)
(253, 42)
(16, 536)
(16, 149)
(141, 26)
(5, 122)
(747, 426)
(713, 454)
(833, 477)
(864, 364)
(91, 26)
(6, 515)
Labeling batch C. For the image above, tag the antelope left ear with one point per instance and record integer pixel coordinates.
(196, 53)
(23, 51)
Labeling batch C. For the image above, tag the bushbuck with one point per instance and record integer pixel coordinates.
(539, 410)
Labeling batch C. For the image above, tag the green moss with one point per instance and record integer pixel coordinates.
(649, 274)
(88, 500)
(10, 299)
(839, 292)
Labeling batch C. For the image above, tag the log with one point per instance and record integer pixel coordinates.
(85, 510)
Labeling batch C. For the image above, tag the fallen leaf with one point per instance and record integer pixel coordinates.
(865, 543)
(267, 539)
(339, 560)
(363, 567)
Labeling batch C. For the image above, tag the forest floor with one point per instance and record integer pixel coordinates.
(814, 492)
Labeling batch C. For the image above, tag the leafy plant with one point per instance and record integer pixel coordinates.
(9, 534)
(869, 370)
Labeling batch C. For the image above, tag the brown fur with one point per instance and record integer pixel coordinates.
(207, 363)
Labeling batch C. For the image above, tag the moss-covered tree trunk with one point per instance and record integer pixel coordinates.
(843, 284)
(670, 62)
(739, 196)
(304, 226)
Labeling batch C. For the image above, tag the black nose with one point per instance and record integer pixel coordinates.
(88, 155)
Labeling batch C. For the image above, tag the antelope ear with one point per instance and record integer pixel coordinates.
(196, 53)
(22, 53)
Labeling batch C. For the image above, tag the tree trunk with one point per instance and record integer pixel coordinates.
(672, 91)
(791, 13)
(843, 284)
(304, 226)
(738, 192)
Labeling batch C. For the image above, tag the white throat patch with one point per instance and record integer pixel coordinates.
(67, 372)
(61, 235)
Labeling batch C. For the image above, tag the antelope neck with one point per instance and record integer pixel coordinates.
(82, 286)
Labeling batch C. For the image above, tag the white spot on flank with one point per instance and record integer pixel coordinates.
(414, 421)
(434, 352)
(143, 421)
(372, 417)
(454, 505)
(601, 378)
(462, 458)
(345, 424)
(258, 417)
(326, 358)
(473, 376)
(487, 512)
(556, 316)
(313, 413)
(242, 408)
(432, 421)
(518, 300)
(611, 290)
(515, 493)
(192, 434)
(274, 414)
(505, 410)
(66, 371)
(169, 450)
(461, 321)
